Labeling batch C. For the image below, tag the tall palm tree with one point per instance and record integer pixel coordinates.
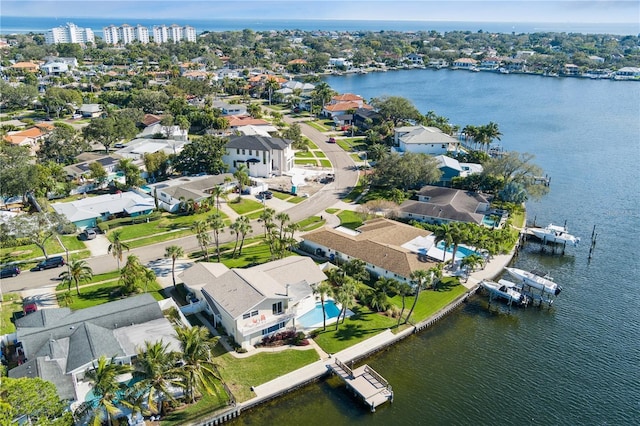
(444, 233)
(271, 85)
(199, 370)
(403, 289)
(173, 252)
(217, 225)
(156, 367)
(419, 278)
(78, 270)
(323, 289)
(241, 227)
(107, 391)
(117, 246)
(282, 218)
(267, 219)
(382, 287)
(217, 193)
(242, 176)
(200, 228)
(345, 296)
(459, 235)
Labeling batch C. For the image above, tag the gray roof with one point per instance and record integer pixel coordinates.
(192, 187)
(259, 143)
(422, 134)
(93, 207)
(48, 370)
(447, 203)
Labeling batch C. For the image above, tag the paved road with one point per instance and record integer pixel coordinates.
(346, 177)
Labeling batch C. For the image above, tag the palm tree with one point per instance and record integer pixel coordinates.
(419, 279)
(199, 370)
(403, 289)
(217, 225)
(382, 287)
(267, 219)
(323, 289)
(459, 236)
(244, 228)
(173, 252)
(217, 193)
(242, 176)
(283, 218)
(107, 391)
(201, 230)
(444, 233)
(271, 85)
(345, 296)
(472, 260)
(78, 270)
(133, 273)
(117, 246)
(156, 367)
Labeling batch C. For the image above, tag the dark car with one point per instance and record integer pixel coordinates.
(88, 234)
(9, 271)
(52, 262)
(267, 195)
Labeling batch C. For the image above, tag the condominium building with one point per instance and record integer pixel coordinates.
(69, 33)
(173, 33)
(125, 34)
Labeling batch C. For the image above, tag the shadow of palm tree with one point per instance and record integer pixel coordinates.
(350, 331)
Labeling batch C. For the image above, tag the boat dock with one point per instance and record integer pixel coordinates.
(365, 382)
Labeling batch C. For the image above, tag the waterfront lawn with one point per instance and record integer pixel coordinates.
(363, 324)
(350, 219)
(102, 293)
(242, 373)
(432, 301)
(193, 412)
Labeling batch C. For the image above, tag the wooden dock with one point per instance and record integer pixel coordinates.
(365, 382)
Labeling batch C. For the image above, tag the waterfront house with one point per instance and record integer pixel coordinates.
(465, 63)
(423, 140)
(628, 73)
(571, 70)
(85, 212)
(388, 248)
(344, 104)
(450, 168)
(170, 193)
(364, 118)
(439, 205)
(259, 301)
(264, 157)
(59, 344)
(490, 63)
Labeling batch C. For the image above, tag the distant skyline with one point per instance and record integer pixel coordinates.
(552, 11)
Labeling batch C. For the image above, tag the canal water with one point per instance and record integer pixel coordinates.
(576, 363)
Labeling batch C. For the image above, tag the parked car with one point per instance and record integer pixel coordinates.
(88, 234)
(9, 271)
(332, 140)
(267, 195)
(29, 307)
(52, 262)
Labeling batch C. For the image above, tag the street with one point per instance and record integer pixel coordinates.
(346, 177)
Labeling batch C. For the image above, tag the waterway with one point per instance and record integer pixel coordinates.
(576, 363)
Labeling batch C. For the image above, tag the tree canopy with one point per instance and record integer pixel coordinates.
(396, 109)
(202, 155)
(34, 397)
(408, 171)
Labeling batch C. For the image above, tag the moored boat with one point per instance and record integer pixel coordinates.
(555, 234)
(505, 290)
(534, 280)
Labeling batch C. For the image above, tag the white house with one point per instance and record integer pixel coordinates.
(197, 188)
(256, 302)
(424, 140)
(230, 109)
(263, 156)
(170, 132)
(138, 147)
(465, 63)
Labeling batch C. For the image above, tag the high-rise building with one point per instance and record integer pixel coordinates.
(160, 34)
(125, 34)
(189, 33)
(69, 33)
(173, 33)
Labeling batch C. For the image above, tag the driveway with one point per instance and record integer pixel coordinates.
(44, 297)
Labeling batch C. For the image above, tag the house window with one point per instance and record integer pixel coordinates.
(238, 151)
(243, 152)
(264, 157)
(246, 316)
(444, 146)
(250, 152)
(273, 328)
(276, 308)
(254, 313)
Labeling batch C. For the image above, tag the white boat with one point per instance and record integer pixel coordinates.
(535, 281)
(555, 234)
(505, 290)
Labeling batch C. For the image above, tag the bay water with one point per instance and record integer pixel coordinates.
(576, 363)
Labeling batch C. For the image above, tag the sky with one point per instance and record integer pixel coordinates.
(569, 11)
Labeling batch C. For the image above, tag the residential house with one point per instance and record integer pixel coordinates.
(60, 345)
(81, 171)
(84, 213)
(236, 121)
(423, 140)
(364, 118)
(169, 132)
(465, 64)
(90, 110)
(230, 109)
(31, 137)
(571, 70)
(263, 157)
(490, 63)
(389, 249)
(450, 168)
(259, 301)
(344, 104)
(197, 188)
(138, 147)
(627, 73)
(151, 119)
(25, 66)
(415, 59)
(438, 205)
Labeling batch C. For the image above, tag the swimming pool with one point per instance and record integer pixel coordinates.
(313, 318)
(461, 253)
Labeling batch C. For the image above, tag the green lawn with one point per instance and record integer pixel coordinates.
(431, 301)
(355, 157)
(332, 211)
(158, 238)
(320, 154)
(72, 243)
(190, 413)
(311, 223)
(325, 163)
(242, 373)
(244, 205)
(103, 293)
(320, 126)
(251, 255)
(350, 219)
(282, 195)
(312, 162)
(364, 324)
(29, 251)
(11, 302)
(108, 276)
(311, 144)
(303, 154)
(355, 192)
